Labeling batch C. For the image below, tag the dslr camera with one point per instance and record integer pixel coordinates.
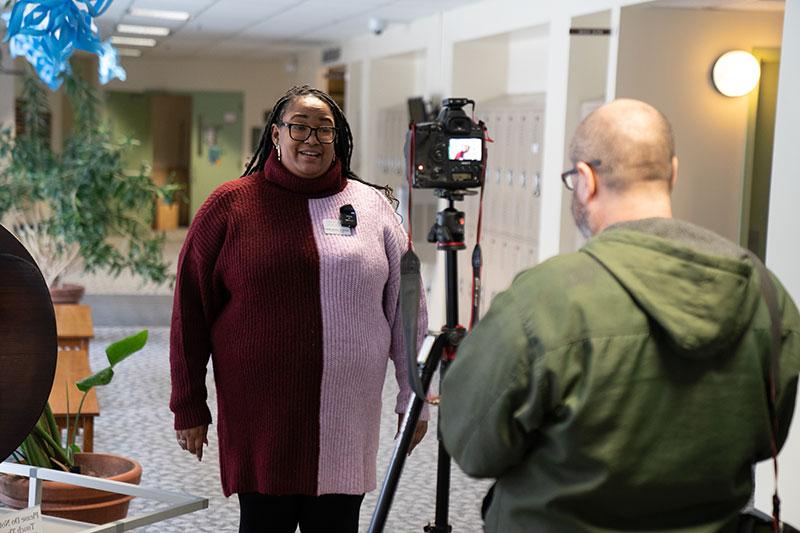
(447, 153)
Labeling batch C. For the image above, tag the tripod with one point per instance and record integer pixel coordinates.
(448, 234)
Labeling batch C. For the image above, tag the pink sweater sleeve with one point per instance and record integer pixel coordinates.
(396, 246)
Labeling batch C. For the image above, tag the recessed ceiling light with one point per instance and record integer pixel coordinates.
(143, 30)
(129, 52)
(159, 14)
(132, 41)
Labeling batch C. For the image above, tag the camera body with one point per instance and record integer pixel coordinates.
(448, 153)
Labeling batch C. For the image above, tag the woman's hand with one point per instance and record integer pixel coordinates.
(419, 432)
(192, 440)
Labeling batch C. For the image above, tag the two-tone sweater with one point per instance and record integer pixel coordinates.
(300, 321)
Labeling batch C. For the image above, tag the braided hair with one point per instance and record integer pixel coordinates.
(343, 143)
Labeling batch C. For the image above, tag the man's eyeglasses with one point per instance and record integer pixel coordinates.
(568, 177)
(301, 132)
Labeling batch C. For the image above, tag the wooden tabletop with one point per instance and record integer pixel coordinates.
(74, 321)
(72, 366)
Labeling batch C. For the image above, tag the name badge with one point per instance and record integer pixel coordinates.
(334, 227)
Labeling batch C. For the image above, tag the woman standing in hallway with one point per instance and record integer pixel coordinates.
(296, 301)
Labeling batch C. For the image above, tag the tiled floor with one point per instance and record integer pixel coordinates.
(136, 422)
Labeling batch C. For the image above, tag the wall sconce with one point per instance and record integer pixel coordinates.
(736, 73)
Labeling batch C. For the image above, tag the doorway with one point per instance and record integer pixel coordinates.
(336, 77)
(172, 115)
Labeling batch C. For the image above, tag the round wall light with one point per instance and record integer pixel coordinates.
(736, 73)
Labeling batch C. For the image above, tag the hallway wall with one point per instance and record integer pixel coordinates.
(262, 83)
(665, 58)
(783, 253)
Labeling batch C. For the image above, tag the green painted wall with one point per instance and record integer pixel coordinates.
(216, 155)
(129, 114)
(216, 136)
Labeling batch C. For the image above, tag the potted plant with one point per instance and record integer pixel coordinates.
(79, 206)
(44, 447)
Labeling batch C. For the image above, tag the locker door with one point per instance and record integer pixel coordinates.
(490, 273)
(529, 256)
(396, 159)
(520, 178)
(505, 196)
(494, 171)
(526, 176)
(381, 149)
(517, 259)
(535, 166)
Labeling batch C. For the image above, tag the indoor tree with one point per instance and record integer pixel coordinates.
(78, 206)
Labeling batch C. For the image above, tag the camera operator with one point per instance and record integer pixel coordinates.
(622, 387)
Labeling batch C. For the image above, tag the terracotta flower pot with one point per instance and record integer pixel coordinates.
(79, 503)
(67, 293)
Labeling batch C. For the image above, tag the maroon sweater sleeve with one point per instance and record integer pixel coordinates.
(196, 302)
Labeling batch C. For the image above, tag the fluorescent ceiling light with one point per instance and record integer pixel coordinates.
(132, 41)
(129, 52)
(159, 14)
(143, 30)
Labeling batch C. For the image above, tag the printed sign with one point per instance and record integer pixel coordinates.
(26, 521)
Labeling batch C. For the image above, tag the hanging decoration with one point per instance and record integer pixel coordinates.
(47, 32)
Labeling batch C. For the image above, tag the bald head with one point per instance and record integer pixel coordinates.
(632, 140)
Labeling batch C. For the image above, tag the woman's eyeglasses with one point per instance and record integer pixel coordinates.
(301, 132)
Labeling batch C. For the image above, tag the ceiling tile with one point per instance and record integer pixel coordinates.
(252, 10)
(192, 6)
(223, 26)
(115, 10)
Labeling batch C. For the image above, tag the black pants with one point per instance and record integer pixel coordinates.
(329, 513)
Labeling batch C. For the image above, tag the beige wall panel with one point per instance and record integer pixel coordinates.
(665, 56)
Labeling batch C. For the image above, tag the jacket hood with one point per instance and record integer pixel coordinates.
(698, 288)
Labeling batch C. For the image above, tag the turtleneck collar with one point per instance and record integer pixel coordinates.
(328, 184)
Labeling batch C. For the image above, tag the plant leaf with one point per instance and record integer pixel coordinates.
(51, 421)
(98, 378)
(46, 443)
(121, 349)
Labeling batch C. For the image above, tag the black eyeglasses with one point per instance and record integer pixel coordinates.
(301, 132)
(568, 176)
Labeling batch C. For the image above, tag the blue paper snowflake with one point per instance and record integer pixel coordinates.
(47, 32)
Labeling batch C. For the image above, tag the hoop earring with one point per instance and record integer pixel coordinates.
(278, 149)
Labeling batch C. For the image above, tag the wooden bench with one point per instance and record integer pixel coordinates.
(74, 329)
(74, 326)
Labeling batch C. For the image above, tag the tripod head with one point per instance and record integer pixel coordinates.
(454, 194)
(448, 230)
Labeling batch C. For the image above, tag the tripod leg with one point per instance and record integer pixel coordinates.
(443, 464)
(404, 442)
(441, 524)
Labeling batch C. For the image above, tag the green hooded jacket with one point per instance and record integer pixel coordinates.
(622, 387)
